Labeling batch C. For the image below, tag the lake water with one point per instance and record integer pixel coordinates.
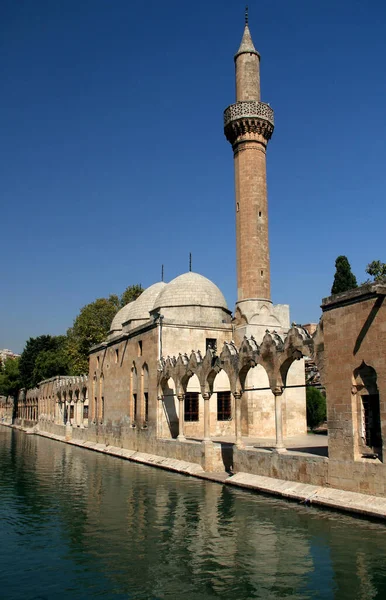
(79, 525)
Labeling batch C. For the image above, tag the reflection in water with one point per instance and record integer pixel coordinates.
(79, 525)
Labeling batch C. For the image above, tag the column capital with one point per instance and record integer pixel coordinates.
(278, 390)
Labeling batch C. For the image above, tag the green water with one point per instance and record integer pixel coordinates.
(80, 525)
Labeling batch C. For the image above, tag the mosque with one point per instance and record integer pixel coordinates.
(161, 373)
(190, 313)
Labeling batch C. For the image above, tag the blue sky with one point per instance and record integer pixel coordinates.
(113, 158)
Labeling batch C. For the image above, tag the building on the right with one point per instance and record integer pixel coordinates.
(354, 333)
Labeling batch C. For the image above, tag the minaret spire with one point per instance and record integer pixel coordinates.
(248, 125)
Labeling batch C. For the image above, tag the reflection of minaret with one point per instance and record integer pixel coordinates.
(248, 126)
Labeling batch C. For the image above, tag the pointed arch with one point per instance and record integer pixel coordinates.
(365, 388)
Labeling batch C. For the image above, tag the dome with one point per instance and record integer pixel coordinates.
(190, 289)
(121, 316)
(143, 305)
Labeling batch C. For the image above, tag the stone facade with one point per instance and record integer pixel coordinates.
(354, 334)
(6, 409)
(60, 400)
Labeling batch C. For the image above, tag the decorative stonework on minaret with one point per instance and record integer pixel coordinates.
(248, 126)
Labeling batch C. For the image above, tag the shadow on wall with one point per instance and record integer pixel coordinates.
(373, 313)
(169, 403)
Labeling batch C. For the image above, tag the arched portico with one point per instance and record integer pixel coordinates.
(366, 407)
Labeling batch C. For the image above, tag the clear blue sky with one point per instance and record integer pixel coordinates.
(113, 158)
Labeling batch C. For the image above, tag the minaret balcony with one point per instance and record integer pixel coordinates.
(246, 117)
(248, 108)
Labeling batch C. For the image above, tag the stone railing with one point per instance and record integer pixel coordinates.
(249, 108)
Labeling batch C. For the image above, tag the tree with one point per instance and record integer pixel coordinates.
(10, 381)
(131, 293)
(90, 327)
(377, 270)
(316, 407)
(344, 279)
(34, 346)
(50, 363)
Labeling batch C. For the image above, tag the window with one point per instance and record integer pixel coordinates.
(191, 406)
(211, 343)
(71, 411)
(135, 406)
(116, 356)
(224, 406)
(85, 412)
(146, 406)
(140, 348)
(371, 424)
(97, 362)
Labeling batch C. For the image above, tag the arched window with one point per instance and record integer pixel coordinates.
(145, 384)
(134, 393)
(369, 417)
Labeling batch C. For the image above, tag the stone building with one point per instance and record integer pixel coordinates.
(190, 313)
(354, 337)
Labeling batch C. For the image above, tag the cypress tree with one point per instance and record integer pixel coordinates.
(344, 279)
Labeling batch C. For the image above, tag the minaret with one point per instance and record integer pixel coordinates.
(248, 126)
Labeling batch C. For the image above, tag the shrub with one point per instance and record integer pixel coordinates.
(316, 407)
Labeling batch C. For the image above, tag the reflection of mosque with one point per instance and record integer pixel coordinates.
(149, 529)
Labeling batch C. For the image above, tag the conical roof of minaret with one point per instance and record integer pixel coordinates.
(246, 45)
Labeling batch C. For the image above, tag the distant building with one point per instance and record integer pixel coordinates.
(5, 354)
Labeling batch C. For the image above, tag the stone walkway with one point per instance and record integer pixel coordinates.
(309, 443)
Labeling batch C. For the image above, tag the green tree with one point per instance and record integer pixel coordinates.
(34, 346)
(377, 270)
(10, 380)
(131, 293)
(316, 407)
(90, 327)
(50, 363)
(344, 279)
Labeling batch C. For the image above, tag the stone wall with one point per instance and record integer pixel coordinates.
(292, 467)
(210, 456)
(354, 325)
(6, 409)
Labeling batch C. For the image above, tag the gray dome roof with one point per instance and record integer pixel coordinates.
(145, 302)
(190, 289)
(121, 316)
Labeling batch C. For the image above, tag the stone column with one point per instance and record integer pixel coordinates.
(278, 393)
(181, 417)
(206, 397)
(81, 411)
(75, 419)
(159, 415)
(68, 433)
(237, 397)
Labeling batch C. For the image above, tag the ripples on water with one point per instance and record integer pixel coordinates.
(80, 525)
